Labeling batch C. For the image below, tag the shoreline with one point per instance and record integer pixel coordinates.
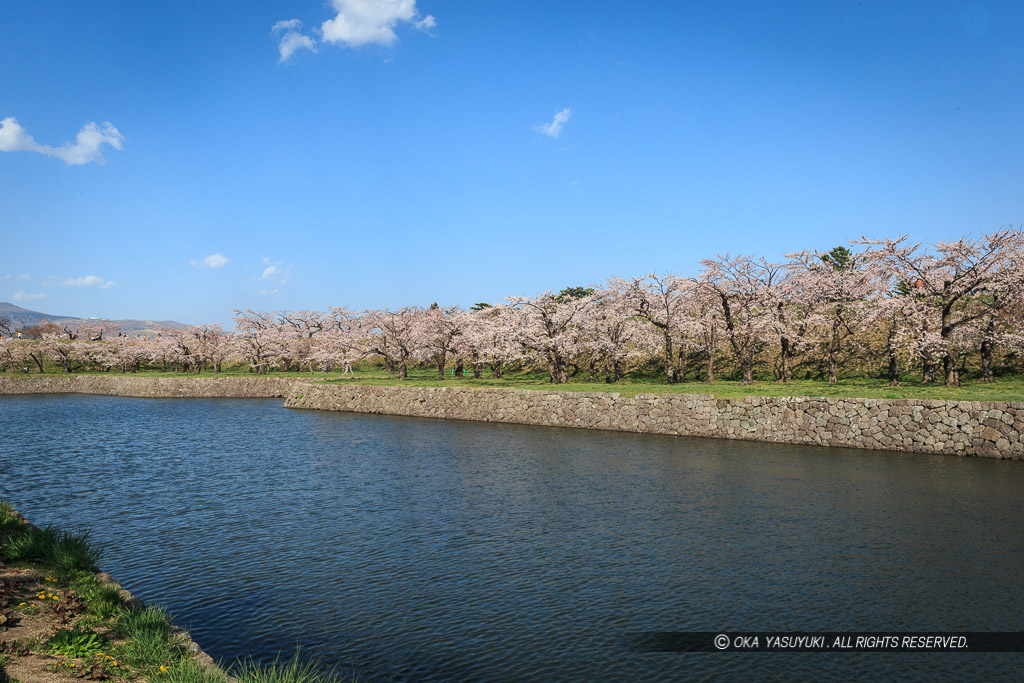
(991, 429)
(132, 603)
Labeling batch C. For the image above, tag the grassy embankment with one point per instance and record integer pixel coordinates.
(1007, 388)
(59, 622)
(1004, 389)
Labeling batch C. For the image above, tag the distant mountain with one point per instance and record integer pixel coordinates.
(23, 317)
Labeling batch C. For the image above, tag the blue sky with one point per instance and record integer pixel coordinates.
(411, 155)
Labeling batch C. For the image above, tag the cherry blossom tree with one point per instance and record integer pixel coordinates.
(57, 343)
(260, 340)
(738, 282)
(491, 339)
(613, 335)
(439, 331)
(664, 302)
(952, 277)
(837, 292)
(394, 336)
(15, 353)
(126, 353)
(709, 325)
(342, 341)
(549, 325)
(300, 330)
(215, 346)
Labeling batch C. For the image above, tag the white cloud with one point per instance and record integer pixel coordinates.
(286, 25)
(88, 281)
(292, 41)
(554, 129)
(356, 23)
(275, 274)
(86, 148)
(274, 271)
(364, 22)
(23, 276)
(217, 260)
(425, 24)
(27, 296)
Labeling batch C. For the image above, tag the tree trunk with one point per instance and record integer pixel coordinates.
(558, 369)
(709, 367)
(403, 370)
(39, 362)
(928, 370)
(833, 351)
(460, 367)
(616, 370)
(440, 365)
(670, 369)
(950, 369)
(986, 352)
(948, 355)
(787, 360)
(748, 372)
(894, 361)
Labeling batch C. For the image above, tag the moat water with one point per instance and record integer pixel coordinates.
(425, 550)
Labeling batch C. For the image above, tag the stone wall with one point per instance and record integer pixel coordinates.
(988, 429)
(212, 386)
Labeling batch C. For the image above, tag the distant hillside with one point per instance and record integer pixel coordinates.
(23, 317)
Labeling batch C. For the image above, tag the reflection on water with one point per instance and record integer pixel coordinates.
(428, 550)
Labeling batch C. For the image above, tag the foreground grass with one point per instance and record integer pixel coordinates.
(92, 633)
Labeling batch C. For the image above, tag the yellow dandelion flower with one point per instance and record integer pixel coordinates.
(163, 668)
(21, 603)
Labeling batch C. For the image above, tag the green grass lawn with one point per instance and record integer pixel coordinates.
(1004, 389)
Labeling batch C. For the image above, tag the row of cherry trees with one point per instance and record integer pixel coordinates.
(888, 304)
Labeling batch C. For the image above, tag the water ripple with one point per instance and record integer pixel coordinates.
(412, 550)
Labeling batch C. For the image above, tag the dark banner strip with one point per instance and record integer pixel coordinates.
(826, 641)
